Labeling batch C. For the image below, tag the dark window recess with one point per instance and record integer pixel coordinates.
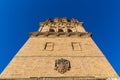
(51, 30)
(69, 30)
(60, 30)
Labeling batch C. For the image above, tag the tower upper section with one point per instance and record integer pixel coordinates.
(61, 26)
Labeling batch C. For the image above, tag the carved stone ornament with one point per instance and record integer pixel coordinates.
(62, 65)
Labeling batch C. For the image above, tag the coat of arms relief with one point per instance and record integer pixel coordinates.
(62, 65)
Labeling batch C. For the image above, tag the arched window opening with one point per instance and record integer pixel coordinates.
(60, 30)
(51, 30)
(69, 30)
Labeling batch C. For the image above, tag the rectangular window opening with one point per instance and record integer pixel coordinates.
(76, 46)
(49, 46)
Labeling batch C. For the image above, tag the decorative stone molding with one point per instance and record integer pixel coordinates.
(58, 78)
(57, 34)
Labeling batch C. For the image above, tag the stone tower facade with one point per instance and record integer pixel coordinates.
(60, 50)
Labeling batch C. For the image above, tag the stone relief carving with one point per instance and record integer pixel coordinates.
(62, 65)
(61, 26)
(60, 21)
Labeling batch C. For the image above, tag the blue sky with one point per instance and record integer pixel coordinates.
(19, 17)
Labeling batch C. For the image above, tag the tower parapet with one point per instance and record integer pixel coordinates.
(61, 27)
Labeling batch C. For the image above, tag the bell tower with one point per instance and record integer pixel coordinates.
(61, 25)
(60, 49)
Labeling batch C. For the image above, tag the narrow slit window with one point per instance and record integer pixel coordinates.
(76, 46)
(49, 46)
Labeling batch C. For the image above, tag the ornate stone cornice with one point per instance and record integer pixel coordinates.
(58, 34)
(60, 22)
